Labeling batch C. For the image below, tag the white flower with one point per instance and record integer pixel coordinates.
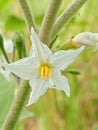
(86, 38)
(8, 45)
(43, 69)
(4, 71)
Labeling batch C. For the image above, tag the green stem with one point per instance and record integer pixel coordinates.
(5, 55)
(49, 19)
(17, 106)
(27, 14)
(67, 15)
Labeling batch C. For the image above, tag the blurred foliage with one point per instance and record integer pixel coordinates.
(7, 93)
(6, 88)
(54, 111)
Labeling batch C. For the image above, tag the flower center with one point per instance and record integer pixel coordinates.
(45, 71)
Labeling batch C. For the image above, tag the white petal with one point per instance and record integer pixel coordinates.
(39, 87)
(5, 73)
(96, 36)
(96, 44)
(36, 43)
(46, 50)
(60, 82)
(62, 59)
(23, 68)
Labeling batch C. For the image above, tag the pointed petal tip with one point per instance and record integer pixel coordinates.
(81, 49)
(32, 30)
(27, 105)
(78, 51)
(30, 103)
(68, 94)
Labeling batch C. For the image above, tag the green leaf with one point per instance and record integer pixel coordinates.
(71, 71)
(7, 91)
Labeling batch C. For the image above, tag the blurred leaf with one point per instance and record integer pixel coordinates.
(96, 128)
(6, 97)
(7, 91)
(19, 126)
(14, 23)
(25, 114)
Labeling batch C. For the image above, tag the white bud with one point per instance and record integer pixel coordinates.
(87, 38)
(8, 45)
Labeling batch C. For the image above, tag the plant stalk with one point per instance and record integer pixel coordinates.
(67, 15)
(27, 14)
(17, 106)
(48, 21)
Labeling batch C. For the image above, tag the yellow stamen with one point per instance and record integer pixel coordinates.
(45, 71)
(42, 72)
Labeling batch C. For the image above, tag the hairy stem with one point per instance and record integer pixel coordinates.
(67, 15)
(27, 14)
(17, 106)
(49, 19)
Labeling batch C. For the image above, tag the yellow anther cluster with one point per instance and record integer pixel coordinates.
(45, 72)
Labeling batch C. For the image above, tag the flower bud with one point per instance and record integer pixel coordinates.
(19, 43)
(88, 39)
(18, 39)
(8, 45)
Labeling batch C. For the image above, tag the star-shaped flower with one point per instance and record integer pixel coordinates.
(43, 69)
